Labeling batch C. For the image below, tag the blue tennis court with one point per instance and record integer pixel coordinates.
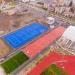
(24, 35)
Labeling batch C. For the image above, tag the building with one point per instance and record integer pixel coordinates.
(67, 40)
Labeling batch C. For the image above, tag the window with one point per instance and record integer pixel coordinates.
(68, 43)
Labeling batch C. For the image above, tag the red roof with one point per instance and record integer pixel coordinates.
(43, 42)
(44, 64)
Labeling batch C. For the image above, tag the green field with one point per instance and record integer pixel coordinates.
(54, 70)
(14, 62)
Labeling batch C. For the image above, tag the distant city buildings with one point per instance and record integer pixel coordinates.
(64, 7)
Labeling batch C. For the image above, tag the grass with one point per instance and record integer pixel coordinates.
(54, 70)
(14, 62)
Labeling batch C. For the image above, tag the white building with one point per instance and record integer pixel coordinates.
(68, 39)
(70, 33)
(50, 20)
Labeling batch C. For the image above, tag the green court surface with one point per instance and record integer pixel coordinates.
(14, 62)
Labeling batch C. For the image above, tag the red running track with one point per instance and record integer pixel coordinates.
(45, 64)
(43, 42)
(68, 65)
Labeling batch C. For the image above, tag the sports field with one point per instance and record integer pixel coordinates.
(13, 63)
(54, 70)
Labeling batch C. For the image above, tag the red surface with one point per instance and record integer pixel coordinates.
(69, 58)
(43, 42)
(68, 65)
(44, 64)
